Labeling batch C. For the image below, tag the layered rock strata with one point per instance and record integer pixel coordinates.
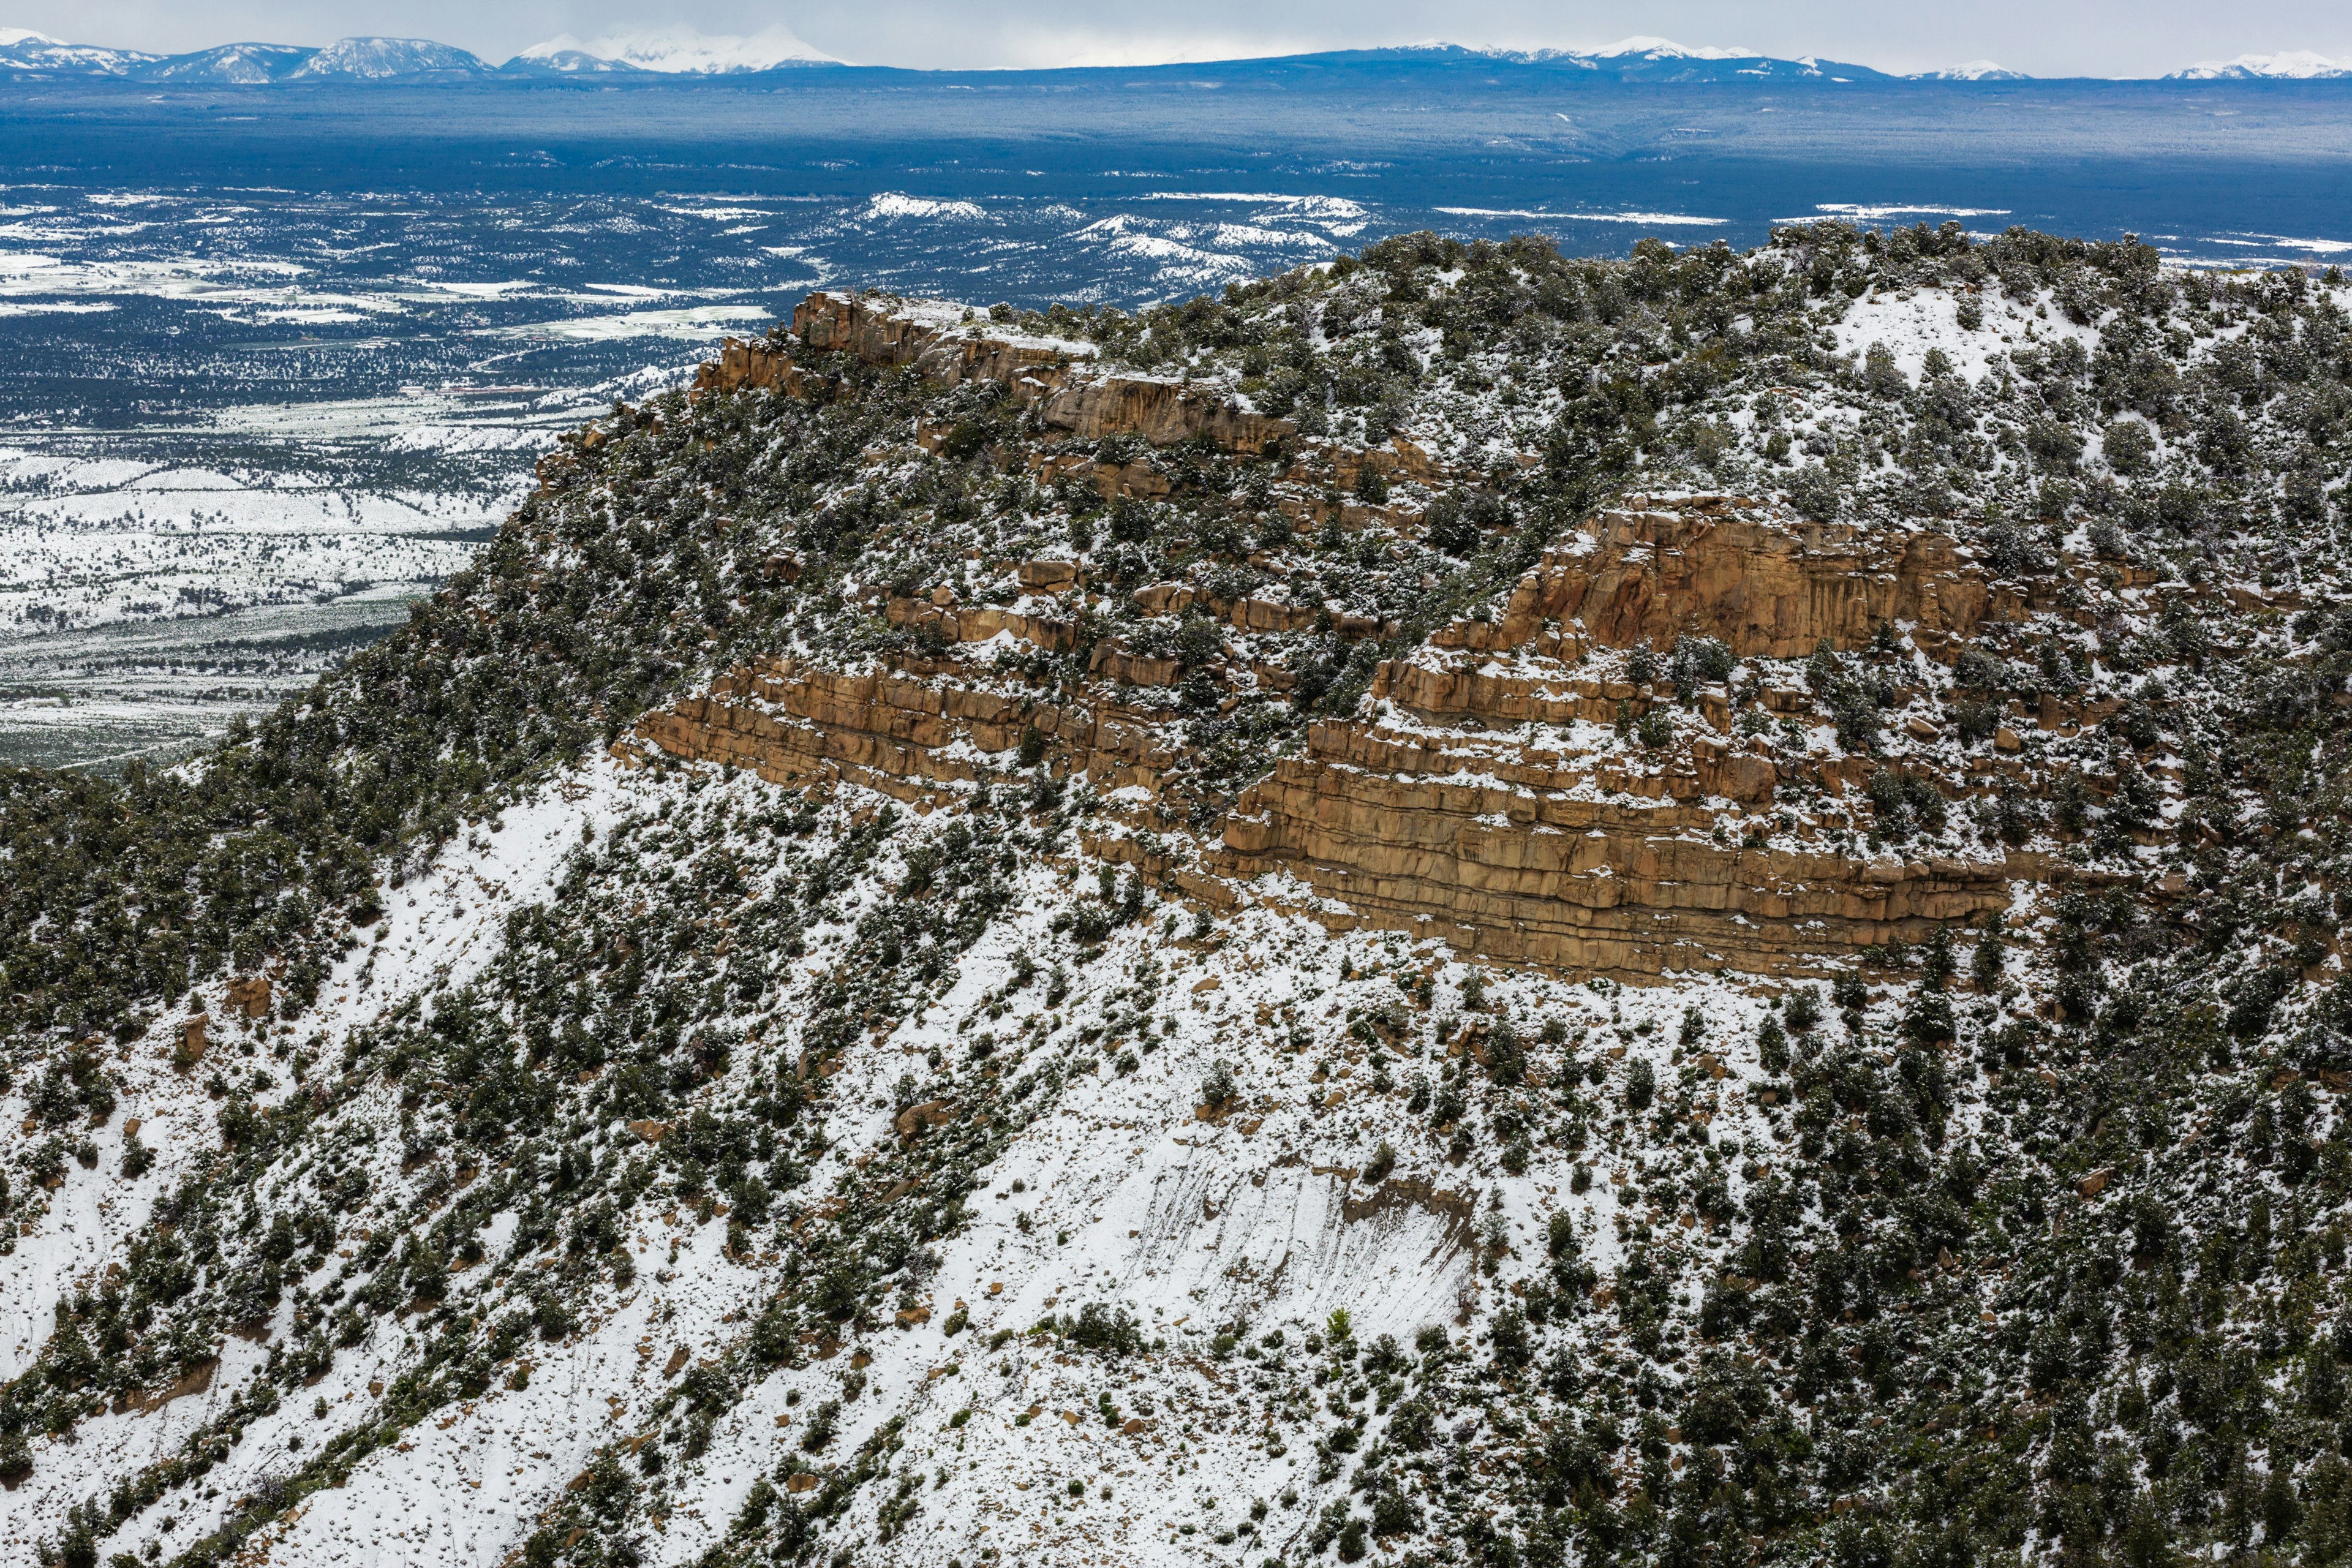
(1634, 867)
(1580, 862)
(1078, 402)
(1442, 812)
(1765, 583)
(905, 733)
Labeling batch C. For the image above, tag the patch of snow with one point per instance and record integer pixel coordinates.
(1652, 219)
(1862, 213)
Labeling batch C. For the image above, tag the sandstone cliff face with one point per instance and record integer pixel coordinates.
(1579, 863)
(741, 364)
(1161, 412)
(1077, 401)
(1436, 817)
(1765, 582)
(906, 734)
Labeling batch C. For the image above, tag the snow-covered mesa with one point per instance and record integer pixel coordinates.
(682, 51)
(383, 57)
(2296, 65)
(1974, 70)
(1656, 50)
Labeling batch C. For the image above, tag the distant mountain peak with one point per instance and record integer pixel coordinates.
(377, 59)
(1647, 59)
(679, 51)
(1665, 49)
(1974, 70)
(23, 49)
(237, 65)
(566, 56)
(2287, 65)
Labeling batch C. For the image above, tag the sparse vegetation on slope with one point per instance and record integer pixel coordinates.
(1076, 774)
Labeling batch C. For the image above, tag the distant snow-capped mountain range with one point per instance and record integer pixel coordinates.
(683, 52)
(2292, 65)
(678, 52)
(1663, 59)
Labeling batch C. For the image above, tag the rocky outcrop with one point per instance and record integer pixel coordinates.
(1077, 401)
(740, 365)
(1442, 816)
(1162, 411)
(1767, 582)
(905, 734)
(1625, 863)
(945, 349)
(1583, 863)
(960, 623)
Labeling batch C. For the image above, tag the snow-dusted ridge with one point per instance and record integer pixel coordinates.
(385, 59)
(23, 50)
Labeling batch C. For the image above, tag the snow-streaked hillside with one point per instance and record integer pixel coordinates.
(1114, 1186)
(242, 65)
(1461, 905)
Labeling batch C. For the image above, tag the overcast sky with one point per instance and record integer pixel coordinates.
(2045, 37)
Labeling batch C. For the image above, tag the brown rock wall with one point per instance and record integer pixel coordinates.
(876, 333)
(1766, 584)
(1601, 863)
(907, 736)
(1461, 689)
(978, 623)
(1077, 401)
(1162, 411)
(1563, 864)
(755, 364)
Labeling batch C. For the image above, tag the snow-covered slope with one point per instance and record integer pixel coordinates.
(1228, 1233)
(1645, 48)
(564, 57)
